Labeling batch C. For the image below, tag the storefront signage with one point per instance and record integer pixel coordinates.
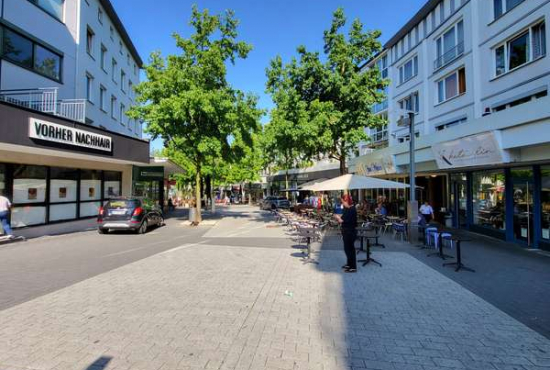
(48, 131)
(375, 166)
(155, 173)
(474, 150)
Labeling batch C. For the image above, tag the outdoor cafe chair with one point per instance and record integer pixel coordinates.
(399, 229)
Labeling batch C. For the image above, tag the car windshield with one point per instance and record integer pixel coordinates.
(123, 203)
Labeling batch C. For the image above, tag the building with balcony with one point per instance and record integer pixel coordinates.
(476, 74)
(67, 71)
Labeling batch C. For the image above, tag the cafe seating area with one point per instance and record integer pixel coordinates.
(307, 226)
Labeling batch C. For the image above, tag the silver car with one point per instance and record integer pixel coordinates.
(273, 202)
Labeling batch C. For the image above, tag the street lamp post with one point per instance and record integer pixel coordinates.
(412, 209)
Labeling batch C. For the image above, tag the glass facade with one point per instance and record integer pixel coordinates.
(545, 204)
(488, 199)
(511, 204)
(42, 195)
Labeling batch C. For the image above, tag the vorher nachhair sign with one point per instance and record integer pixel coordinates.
(473, 150)
(49, 131)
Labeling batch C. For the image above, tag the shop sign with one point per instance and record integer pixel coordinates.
(376, 166)
(48, 131)
(477, 150)
(149, 173)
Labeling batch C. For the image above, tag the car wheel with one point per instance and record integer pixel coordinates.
(102, 231)
(143, 227)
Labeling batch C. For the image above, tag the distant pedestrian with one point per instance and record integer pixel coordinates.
(171, 205)
(427, 212)
(5, 208)
(348, 222)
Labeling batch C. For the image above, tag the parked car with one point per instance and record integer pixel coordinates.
(129, 214)
(273, 202)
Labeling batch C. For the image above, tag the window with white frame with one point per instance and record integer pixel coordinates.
(408, 70)
(52, 7)
(90, 35)
(102, 96)
(122, 114)
(525, 47)
(100, 15)
(450, 45)
(113, 69)
(122, 80)
(113, 107)
(103, 57)
(382, 65)
(411, 103)
(89, 87)
(452, 85)
(501, 7)
(112, 33)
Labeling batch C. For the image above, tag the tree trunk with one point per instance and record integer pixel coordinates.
(198, 194)
(343, 169)
(286, 185)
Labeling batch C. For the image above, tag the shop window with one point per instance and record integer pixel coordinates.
(29, 187)
(29, 184)
(545, 203)
(63, 185)
(112, 184)
(90, 185)
(489, 206)
(3, 190)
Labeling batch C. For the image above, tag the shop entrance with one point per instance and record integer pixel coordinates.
(522, 187)
(459, 201)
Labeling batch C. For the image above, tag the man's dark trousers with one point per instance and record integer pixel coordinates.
(349, 247)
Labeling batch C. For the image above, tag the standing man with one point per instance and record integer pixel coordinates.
(427, 212)
(5, 207)
(348, 222)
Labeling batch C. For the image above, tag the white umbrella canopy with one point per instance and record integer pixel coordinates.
(354, 182)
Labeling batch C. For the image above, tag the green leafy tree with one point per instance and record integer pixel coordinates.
(187, 100)
(336, 93)
(289, 139)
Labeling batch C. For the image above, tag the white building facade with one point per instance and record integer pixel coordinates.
(67, 71)
(476, 73)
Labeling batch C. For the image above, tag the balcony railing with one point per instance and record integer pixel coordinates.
(449, 56)
(45, 101)
(379, 137)
(377, 108)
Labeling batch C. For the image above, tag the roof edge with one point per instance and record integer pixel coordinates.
(111, 12)
(416, 19)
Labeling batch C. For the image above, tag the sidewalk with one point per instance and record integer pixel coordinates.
(512, 278)
(228, 308)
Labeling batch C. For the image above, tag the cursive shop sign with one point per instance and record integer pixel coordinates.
(474, 150)
(48, 131)
(376, 166)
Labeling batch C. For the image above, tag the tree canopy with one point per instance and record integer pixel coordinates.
(187, 101)
(324, 102)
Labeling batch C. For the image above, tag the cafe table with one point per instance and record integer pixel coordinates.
(363, 233)
(459, 265)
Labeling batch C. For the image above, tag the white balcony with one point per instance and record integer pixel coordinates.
(45, 101)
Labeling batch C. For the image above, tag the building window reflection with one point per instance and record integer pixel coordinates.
(489, 207)
(545, 202)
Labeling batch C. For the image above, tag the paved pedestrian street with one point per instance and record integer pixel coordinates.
(206, 306)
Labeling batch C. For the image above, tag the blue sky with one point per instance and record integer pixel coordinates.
(273, 27)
